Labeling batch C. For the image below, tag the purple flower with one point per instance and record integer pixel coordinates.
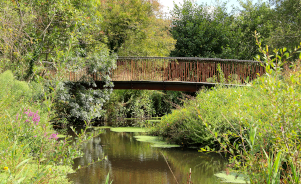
(53, 136)
(26, 112)
(282, 129)
(17, 117)
(35, 136)
(30, 114)
(34, 116)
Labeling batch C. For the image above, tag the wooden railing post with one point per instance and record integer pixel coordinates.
(180, 69)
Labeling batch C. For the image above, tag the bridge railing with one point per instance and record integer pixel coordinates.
(184, 69)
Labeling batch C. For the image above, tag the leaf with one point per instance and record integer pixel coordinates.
(276, 174)
(108, 178)
(20, 180)
(296, 176)
(23, 162)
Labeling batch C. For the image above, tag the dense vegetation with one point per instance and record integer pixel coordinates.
(28, 143)
(41, 41)
(258, 125)
(211, 31)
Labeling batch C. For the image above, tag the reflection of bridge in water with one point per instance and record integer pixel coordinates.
(177, 73)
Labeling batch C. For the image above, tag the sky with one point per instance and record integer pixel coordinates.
(168, 4)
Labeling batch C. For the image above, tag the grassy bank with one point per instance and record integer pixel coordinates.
(258, 125)
(188, 124)
(30, 152)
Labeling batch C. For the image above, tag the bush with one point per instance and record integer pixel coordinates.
(258, 125)
(140, 104)
(184, 126)
(29, 150)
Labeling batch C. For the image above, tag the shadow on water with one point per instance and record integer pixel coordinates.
(134, 162)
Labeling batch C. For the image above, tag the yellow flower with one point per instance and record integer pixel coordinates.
(49, 169)
(5, 168)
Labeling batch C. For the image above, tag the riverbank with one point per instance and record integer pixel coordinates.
(258, 125)
(30, 152)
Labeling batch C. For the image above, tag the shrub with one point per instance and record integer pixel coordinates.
(258, 125)
(140, 103)
(29, 150)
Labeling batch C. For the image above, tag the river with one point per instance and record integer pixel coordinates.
(132, 162)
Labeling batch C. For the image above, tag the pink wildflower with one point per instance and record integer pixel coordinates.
(53, 136)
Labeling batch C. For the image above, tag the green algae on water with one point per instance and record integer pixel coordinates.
(232, 177)
(129, 129)
(101, 127)
(155, 141)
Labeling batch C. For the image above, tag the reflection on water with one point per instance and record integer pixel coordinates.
(133, 162)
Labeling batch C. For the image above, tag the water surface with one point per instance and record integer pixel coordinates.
(133, 162)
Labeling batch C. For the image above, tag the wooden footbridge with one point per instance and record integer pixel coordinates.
(177, 73)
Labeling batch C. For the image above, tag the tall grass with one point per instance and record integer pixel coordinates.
(257, 125)
(29, 150)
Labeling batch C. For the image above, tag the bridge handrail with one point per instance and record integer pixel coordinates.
(183, 59)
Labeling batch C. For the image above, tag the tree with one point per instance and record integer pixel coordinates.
(287, 23)
(66, 34)
(199, 30)
(251, 18)
(154, 40)
(124, 18)
(31, 28)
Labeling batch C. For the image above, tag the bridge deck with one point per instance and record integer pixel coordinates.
(159, 85)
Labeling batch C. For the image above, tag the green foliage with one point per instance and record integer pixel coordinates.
(199, 31)
(252, 17)
(154, 40)
(36, 31)
(123, 19)
(135, 28)
(287, 20)
(209, 31)
(77, 104)
(71, 37)
(184, 126)
(28, 144)
(258, 125)
(140, 103)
